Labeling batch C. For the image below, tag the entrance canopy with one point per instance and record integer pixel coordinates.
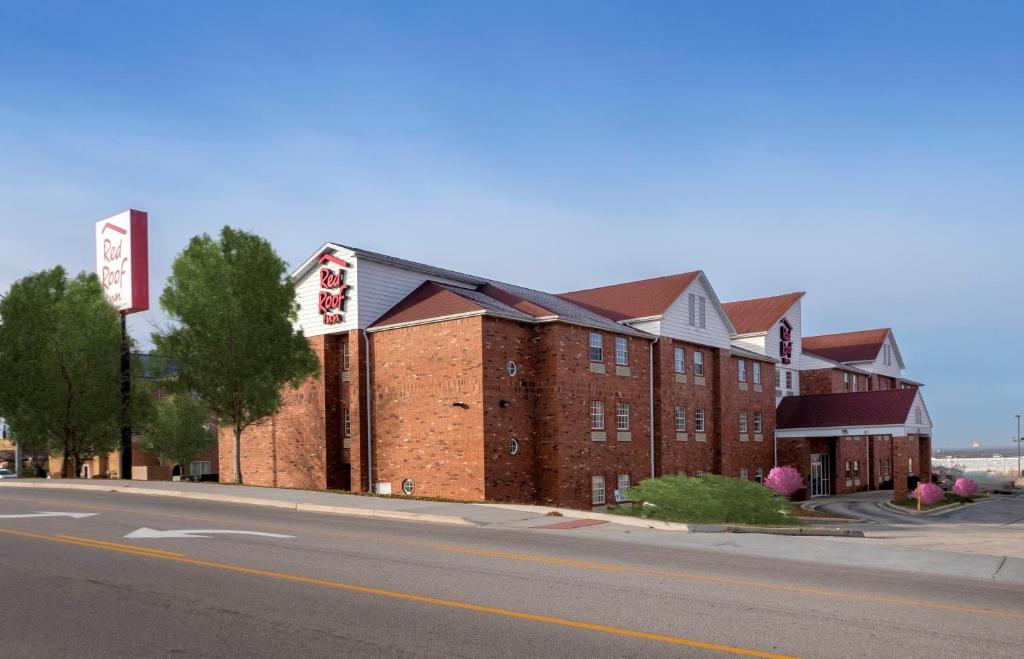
(895, 412)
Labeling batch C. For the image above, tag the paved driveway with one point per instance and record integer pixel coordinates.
(994, 527)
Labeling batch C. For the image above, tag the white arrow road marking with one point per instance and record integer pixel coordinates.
(49, 514)
(146, 532)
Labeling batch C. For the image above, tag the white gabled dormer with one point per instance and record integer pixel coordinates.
(888, 361)
(358, 287)
(696, 316)
(919, 421)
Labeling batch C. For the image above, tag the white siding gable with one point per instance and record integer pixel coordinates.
(752, 342)
(925, 426)
(676, 320)
(879, 366)
(307, 291)
(373, 288)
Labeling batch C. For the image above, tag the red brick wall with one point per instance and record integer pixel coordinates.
(567, 457)
(509, 477)
(830, 381)
(735, 452)
(418, 373)
(852, 450)
(289, 449)
(672, 455)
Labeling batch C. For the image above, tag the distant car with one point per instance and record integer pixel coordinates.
(7, 473)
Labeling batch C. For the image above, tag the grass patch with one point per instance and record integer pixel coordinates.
(949, 498)
(708, 500)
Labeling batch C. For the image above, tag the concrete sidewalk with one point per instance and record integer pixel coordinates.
(442, 512)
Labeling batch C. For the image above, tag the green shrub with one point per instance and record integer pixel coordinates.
(709, 500)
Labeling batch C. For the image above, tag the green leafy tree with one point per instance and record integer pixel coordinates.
(234, 341)
(178, 433)
(60, 344)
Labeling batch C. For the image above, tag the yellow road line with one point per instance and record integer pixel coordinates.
(117, 545)
(409, 597)
(623, 568)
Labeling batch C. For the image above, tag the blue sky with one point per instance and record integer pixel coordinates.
(870, 154)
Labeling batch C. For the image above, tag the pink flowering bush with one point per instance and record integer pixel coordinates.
(964, 487)
(930, 493)
(784, 481)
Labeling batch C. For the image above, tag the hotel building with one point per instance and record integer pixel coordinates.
(437, 383)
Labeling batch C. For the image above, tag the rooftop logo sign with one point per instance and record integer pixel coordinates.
(122, 260)
(333, 289)
(785, 342)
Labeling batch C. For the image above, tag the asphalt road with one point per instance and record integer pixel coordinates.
(345, 586)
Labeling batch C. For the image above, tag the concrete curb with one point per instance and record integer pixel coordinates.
(255, 501)
(934, 512)
(625, 520)
(814, 505)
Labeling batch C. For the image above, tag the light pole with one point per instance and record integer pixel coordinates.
(1018, 451)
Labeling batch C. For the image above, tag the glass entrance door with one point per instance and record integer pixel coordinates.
(820, 485)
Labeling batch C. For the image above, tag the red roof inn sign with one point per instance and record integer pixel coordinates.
(122, 260)
(785, 342)
(331, 302)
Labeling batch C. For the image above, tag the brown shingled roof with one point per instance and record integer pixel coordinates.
(758, 315)
(634, 299)
(429, 300)
(847, 346)
(865, 408)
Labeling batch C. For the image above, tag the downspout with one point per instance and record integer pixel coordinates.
(650, 375)
(775, 440)
(369, 414)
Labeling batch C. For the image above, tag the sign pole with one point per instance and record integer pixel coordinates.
(126, 401)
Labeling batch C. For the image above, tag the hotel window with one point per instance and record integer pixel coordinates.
(701, 305)
(621, 352)
(698, 363)
(759, 475)
(596, 415)
(680, 418)
(886, 355)
(344, 356)
(757, 372)
(856, 469)
(691, 302)
(789, 380)
(742, 370)
(698, 420)
(744, 473)
(699, 473)
(743, 422)
(846, 381)
(854, 378)
(622, 416)
(623, 483)
(848, 471)
(596, 347)
(347, 425)
(680, 360)
(757, 423)
(199, 468)
(917, 415)
(597, 490)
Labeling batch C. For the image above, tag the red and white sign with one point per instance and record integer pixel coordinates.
(122, 260)
(331, 301)
(785, 342)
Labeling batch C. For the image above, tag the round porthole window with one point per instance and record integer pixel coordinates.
(513, 446)
(512, 369)
(407, 486)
